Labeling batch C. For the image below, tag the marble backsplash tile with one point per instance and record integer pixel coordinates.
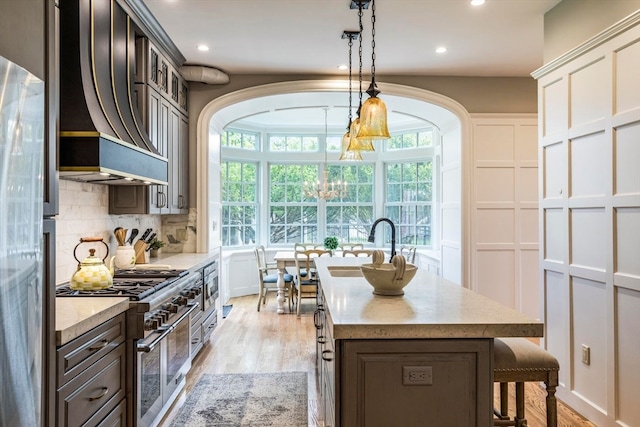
(84, 212)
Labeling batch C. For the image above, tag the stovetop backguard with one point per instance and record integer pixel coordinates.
(134, 273)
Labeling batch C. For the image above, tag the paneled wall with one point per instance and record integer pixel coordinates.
(504, 210)
(589, 146)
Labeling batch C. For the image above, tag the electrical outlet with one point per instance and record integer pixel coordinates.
(586, 354)
(417, 375)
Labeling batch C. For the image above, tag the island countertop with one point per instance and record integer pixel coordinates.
(431, 307)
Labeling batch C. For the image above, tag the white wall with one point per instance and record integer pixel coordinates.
(589, 149)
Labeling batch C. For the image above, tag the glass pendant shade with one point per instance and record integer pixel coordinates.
(373, 120)
(356, 144)
(349, 156)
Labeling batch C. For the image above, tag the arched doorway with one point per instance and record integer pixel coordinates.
(455, 128)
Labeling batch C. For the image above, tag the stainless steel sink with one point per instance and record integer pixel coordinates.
(345, 271)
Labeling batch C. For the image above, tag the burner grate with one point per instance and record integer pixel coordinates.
(134, 288)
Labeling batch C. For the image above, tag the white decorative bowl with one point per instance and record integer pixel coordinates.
(383, 278)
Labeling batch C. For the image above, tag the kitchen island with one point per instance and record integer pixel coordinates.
(424, 358)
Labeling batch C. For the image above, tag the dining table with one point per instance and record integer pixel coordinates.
(283, 260)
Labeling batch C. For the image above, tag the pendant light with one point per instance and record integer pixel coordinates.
(356, 144)
(373, 115)
(347, 155)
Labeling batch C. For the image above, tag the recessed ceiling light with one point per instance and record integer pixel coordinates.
(477, 2)
(203, 47)
(441, 49)
(342, 67)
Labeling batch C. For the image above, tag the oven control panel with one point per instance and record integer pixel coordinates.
(165, 312)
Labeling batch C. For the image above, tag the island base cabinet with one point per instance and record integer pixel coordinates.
(416, 382)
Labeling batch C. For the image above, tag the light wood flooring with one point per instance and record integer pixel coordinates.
(248, 341)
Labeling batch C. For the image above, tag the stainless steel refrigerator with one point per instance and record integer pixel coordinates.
(22, 247)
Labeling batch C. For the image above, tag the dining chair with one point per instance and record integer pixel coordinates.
(307, 246)
(350, 246)
(268, 278)
(357, 252)
(306, 285)
(409, 253)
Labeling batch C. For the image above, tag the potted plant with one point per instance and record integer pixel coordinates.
(331, 243)
(155, 246)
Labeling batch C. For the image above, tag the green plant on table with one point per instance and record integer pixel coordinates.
(331, 243)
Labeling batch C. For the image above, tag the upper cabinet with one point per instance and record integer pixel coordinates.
(161, 95)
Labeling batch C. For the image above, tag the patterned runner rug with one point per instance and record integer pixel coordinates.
(230, 400)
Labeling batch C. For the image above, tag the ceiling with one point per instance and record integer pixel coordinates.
(500, 38)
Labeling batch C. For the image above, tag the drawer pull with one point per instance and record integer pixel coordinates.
(322, 340)
(326, 357)
(102, 345)
(105, 390)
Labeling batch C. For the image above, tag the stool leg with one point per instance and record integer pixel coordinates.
(520, 420)
(504, 401)
(552, 407)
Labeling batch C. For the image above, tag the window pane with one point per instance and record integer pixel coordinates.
(239, 198)
(277, 143)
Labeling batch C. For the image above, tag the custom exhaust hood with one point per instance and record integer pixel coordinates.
(102, 136)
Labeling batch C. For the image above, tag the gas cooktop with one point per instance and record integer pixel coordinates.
(135, 288)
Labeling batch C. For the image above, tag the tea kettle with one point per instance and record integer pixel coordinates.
(92, 273)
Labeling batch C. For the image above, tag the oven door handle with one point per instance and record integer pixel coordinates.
(147, 348)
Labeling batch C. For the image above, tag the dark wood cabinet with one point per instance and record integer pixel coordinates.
(92, 381)
(162, 103)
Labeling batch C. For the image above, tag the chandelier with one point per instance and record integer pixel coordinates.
(324, 189)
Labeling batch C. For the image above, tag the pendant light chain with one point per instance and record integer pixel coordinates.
(360, 55)
(373, 40)
(350, 84)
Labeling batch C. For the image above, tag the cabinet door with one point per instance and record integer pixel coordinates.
(183, 165)
(174, 160)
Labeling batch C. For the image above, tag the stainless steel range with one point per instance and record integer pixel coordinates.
(159, 322)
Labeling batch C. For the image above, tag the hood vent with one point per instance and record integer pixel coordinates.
(102, 137)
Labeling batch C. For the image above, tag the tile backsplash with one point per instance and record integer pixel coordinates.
(84, 212)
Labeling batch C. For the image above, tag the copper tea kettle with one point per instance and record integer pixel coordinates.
(92, 273)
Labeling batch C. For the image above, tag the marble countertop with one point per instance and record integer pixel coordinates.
(431, 307)
(77, 315)
(187, 261)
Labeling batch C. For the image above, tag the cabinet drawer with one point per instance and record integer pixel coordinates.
(196, 340)
(92, 395)
(117, 417)
(76, 356)
(208, 325)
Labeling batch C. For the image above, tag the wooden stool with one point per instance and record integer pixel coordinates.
(518, 360)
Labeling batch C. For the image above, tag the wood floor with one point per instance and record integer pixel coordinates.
(249, 341)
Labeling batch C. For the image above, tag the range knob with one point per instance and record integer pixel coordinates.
(173, 308)
(181, 300)
(151, 324)
(198, 291)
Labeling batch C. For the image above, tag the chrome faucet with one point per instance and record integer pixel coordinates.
(372, 234)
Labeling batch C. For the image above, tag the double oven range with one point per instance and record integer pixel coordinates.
(164, 307)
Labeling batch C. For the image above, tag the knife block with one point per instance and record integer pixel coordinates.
(141, 251)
